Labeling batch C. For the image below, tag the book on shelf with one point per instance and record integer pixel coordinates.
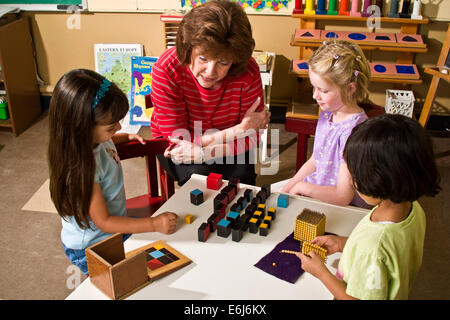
(141, 83)
(113, 61)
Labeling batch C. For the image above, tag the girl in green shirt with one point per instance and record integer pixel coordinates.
(391, 162)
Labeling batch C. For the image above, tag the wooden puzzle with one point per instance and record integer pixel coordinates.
(316, 37)
(161, 259)
(308, 225)
(378, 70)
(118, 275)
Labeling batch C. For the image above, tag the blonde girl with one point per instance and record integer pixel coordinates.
(339, 74)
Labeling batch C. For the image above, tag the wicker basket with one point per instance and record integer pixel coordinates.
(400, 102)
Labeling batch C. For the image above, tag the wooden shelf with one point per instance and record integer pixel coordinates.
(6, 123)
(19, 75)
(436, 72)
(363, 47)
(362, 19)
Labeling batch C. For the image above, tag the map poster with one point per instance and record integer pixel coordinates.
(141, 83)
(113, 61)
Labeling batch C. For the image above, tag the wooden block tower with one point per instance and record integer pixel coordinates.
(308, 225)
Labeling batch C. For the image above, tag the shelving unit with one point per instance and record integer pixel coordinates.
(407, 26)
(303, 119)
(18, 79)
(437, 74)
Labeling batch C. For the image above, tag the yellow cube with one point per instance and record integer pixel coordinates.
(308, 225)
(188, 218)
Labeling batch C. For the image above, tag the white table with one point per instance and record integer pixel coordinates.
(222, 268)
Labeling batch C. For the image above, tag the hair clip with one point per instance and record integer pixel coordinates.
(356, 73)
(104, 87)
(325, 42)
(335, 56)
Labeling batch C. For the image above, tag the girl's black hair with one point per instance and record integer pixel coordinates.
(70, 151)
(391, 157)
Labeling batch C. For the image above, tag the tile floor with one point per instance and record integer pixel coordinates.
(33, 265)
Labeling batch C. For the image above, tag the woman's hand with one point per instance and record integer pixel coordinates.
(182, 151)
(255, 120)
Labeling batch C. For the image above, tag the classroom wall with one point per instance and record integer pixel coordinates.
(60, 49)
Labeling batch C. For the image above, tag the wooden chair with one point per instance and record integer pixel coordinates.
(156, 195)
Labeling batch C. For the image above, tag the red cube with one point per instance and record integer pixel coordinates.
(214, 181)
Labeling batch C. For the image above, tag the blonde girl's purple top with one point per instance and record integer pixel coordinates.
(329, 143)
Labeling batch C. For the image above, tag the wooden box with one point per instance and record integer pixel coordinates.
(118, 275)
(112, 272)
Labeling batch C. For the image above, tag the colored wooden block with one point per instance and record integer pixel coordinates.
(250, 209)
(237, 232)
(267, 220)
(261, 195)
(242, 201)
(263, 229)
(188, 219)
(233, 217)
(283, 201)
(267, 190)
(262, 207)
(256, 201)
(214, 181)
(196, 197)
(220, 198)
(308, 225)
(258, 215)
(272, 212)
(307, 247)
(229, 192)
(235, 182)
(224, 228)
(220, 210)
(203, 232)
(236, 207)
(213, 220)
(248, 194)
(253, 225)
(244, 221)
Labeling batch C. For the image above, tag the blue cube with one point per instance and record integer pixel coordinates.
(283, 201)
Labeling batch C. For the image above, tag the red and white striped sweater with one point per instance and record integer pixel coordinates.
(179, 100)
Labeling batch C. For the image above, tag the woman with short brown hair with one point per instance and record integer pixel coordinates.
(208, 90)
